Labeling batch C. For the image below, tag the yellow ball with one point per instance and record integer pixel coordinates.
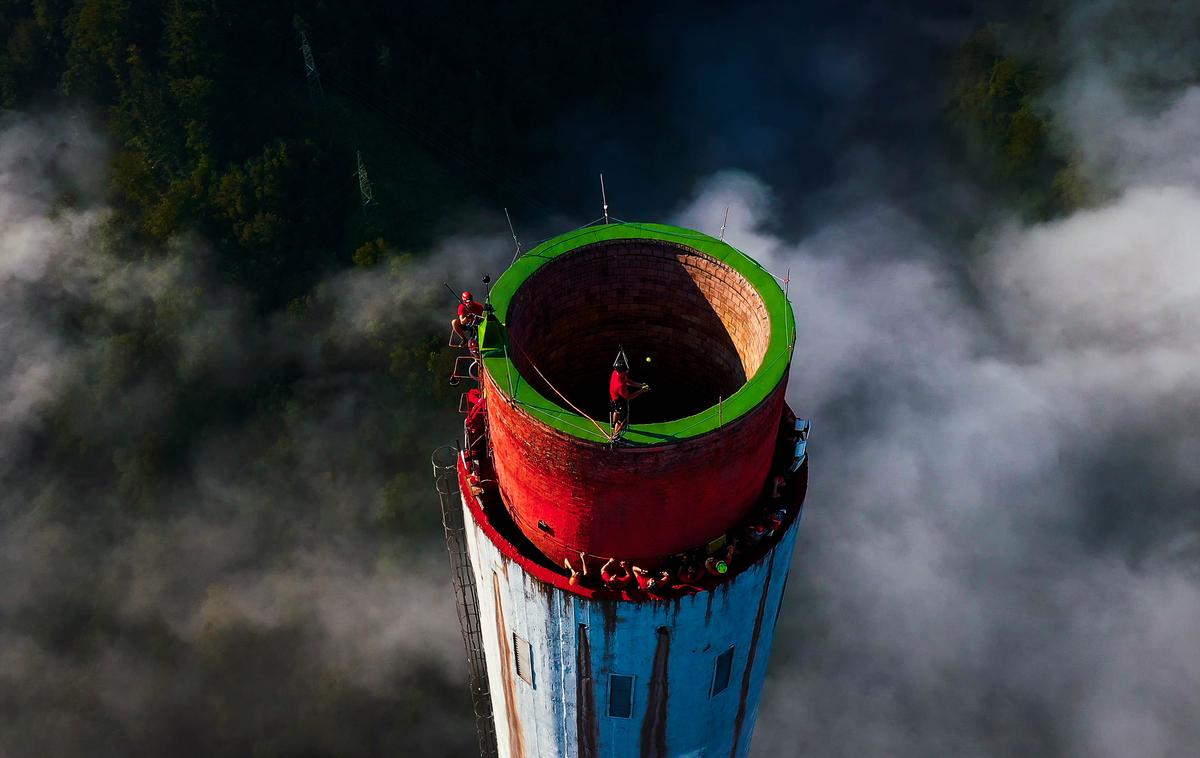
(647, 359)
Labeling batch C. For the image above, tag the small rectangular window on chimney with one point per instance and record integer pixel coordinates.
(523, 658)
(620, 696)
(722, 669)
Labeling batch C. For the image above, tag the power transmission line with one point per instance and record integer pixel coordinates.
(311, 76)
(440, 147)
(364, 182)
(429, 138)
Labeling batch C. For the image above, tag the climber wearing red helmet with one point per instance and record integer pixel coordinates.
(470, 313)
(476, 420)
(621, 389)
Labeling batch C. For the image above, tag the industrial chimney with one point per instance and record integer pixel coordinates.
(712, 458)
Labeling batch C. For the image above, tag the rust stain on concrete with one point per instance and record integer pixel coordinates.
(609, 609)
(654, 724)
(745, 693)
(516, 740)
(586, 724)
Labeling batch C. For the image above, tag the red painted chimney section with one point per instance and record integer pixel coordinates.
(712, 321)
(638, 503)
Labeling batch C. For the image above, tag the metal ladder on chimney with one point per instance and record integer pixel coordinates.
(445, 474)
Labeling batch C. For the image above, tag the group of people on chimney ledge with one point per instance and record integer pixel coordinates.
(685, 572)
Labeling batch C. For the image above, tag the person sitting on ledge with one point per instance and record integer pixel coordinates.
(648, 581)
(621, 389)
(576, 575)
(718, 566)
(474, 484)
(776, 486)
(618, 579)
(755, 533)
(775, 520)
(689, 573)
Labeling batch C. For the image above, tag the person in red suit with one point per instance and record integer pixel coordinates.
(470, 313)
(621, 389)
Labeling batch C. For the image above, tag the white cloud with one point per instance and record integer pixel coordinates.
(978, 561)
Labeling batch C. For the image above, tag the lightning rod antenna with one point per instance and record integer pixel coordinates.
(723, 223)
(604, 198)
(516, 242)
